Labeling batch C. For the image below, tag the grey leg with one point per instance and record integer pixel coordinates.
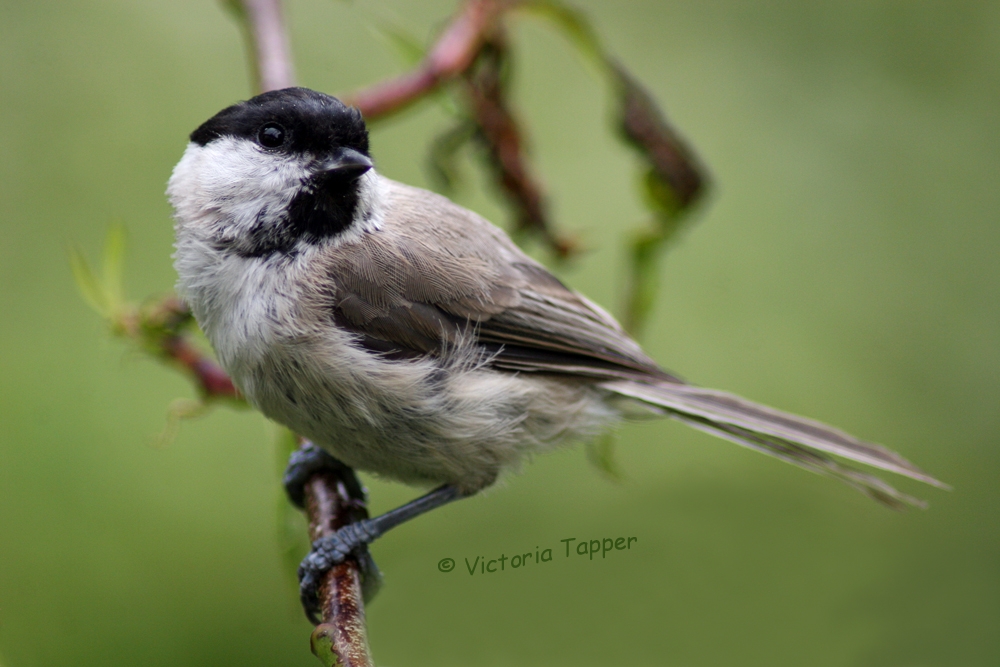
(351, 539)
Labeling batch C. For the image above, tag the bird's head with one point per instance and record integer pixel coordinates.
(286, 168)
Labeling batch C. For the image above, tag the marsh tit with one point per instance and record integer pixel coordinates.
(409, 337)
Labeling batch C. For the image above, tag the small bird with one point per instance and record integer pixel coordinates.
(407, 336)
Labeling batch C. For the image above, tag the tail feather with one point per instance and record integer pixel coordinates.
(794, 439)
(871, 486)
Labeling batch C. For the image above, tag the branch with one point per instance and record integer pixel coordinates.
(212, 380)
(453, 54)
(472, 48)
(267, 41)
(164, 329)
(334, 500)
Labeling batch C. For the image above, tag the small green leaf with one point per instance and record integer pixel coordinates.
(113, 265)
(104, 293)
(88, 283)
(409, 49)
(322, 645)
(601, 453)
(575, 25)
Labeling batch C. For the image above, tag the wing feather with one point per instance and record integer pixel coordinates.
(444, 273)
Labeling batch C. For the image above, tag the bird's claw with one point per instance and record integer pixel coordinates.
(351, 541)
(302, 465)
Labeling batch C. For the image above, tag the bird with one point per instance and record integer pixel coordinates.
(407, 336)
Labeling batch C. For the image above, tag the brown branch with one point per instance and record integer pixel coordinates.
(212, 380)
(162, 329)
(471, 46)
(334, 500)
(452, 54)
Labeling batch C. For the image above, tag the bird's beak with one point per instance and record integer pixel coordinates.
(346, 165)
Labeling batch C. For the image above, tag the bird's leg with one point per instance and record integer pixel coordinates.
(354, 538)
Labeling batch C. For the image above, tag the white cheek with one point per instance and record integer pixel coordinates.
(232, 182)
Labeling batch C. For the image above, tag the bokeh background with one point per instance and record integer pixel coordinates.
(846, 267)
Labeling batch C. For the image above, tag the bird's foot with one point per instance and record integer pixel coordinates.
(306, 462)
(351, 541)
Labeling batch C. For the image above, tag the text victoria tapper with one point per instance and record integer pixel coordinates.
(571, 547)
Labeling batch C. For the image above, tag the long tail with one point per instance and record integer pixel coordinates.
(794, 439)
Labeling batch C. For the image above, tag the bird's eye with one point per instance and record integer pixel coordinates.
(271, 135)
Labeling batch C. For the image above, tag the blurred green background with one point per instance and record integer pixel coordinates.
(846, 267)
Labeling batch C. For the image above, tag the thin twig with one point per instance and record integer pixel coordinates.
(268, 42)
(334, 500)
(471, 47)
(212, 380)
(162, 328)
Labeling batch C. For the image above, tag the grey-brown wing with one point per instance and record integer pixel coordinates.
(553, 328)
(437, 273)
